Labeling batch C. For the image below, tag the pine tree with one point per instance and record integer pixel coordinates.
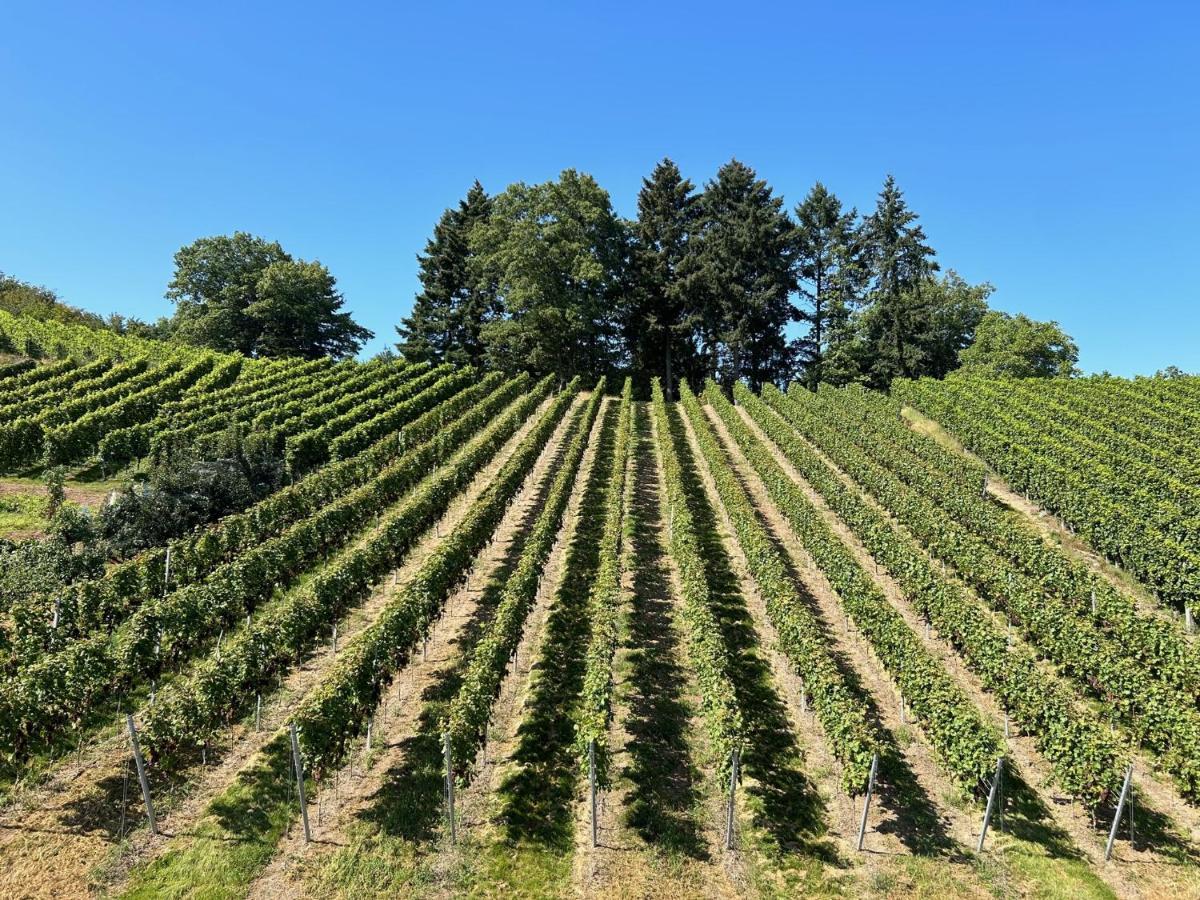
(898, 322)
(739, 273)
(658, 331)
(831, 275)
(448, 314)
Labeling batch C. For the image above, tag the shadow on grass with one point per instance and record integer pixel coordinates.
(785, 803)
(409, 803)
(660, 767)
(536, 799)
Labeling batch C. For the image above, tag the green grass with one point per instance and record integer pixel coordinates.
(21, 513)
(235, 840)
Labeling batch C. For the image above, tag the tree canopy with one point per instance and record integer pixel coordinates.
(243, 293)
(720, 282)
(448, 315)
(556, 254)
(1019, 347)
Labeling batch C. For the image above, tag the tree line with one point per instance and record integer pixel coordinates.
(721, 282)
(705, 283)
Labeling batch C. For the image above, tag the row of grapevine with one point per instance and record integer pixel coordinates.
(9, 371)
(339, 402)
(166, 630)
(338, 709)
(73, 400)
(217, 400)
(843, 712)
(1176, 470)
(1163, 500)
(191, 710)
(48, 623)
(1110, 526)
(488, 660)
(40, 339)
(964, 742)
(869, 422)
(1166, 718)
(310, 448)
(34, 398)
(1081, 752)
(706, 647)
(604, 605)
(1106, 402)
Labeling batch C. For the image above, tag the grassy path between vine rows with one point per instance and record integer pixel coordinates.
(237, 832)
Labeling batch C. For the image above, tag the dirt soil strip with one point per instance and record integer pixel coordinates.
(1069, 817)
(1049, 525)
(397, 718)
(650, 842)
(959, 825)
(66, 838)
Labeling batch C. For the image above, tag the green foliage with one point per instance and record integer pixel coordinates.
(448, 315)
(706, 647)
(841, 709)
(738, 275)
(243, 293)
(556, 254)
(488, 661)
(604, 606)
(1084, 757)
(24, 299)
(658, 327)
(338, 709)
(1019, 347)
(832, 277)
(966, 745)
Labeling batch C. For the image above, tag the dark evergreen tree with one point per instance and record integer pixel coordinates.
(658, 330)
(831, 275)
(898, 322)
(738, 272)
(453, 305)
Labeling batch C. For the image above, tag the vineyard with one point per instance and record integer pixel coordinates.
(486, 634)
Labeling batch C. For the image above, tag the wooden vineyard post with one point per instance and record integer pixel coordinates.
(258, 713)
(592, 785)
(167, 573)
(298, 762)
(734, 760)
(1188, 620)
(862, 825)
(991, 803)
(141, 772)
(449, 786)
(1112, 834)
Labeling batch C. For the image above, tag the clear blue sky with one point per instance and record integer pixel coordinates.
(1052, 149)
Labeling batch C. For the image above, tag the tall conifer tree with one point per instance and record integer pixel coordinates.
(898, 322)
(658, 329)
(831, 275)
(453, 305)
(739, 273)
